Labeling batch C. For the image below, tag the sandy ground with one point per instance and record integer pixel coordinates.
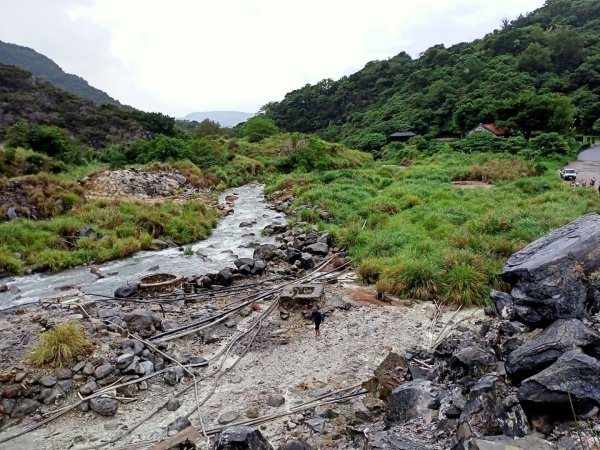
(286, 359)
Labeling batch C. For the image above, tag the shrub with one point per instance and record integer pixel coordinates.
(60, 345)
(482, 142)
(547, 144)
(258, 128)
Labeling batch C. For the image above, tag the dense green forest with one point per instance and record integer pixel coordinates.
(43, 67)
(432, 219)
(539, 72)
(39, 103)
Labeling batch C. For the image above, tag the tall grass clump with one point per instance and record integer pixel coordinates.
(60, 345)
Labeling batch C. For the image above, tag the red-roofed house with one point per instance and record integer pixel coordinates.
(488, 127)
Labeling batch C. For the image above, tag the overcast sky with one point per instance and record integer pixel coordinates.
(180, 56)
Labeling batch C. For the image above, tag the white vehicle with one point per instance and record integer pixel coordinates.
(568, 174)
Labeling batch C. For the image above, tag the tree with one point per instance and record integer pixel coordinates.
(258, 128)
(596, 126)
(535, 59)
(16, 135)
(208, 128)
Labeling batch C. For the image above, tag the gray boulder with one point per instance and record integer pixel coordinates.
(545, 348)
(552, 278)
(408, 401)
(572, 378)
(320, 248)
(265, 252)
(244, 262)
(493, 408)
(143, 322)
(225, 277)
(104, 406)
(239, 438)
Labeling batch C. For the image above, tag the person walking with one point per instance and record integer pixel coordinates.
(317, 318)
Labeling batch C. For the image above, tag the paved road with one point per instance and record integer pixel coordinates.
(588, 164)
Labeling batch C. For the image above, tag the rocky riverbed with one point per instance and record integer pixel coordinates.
(230, 353)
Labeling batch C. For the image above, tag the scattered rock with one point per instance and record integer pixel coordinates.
(284, 314)
(104, 406)
(317, 424)
(230, 323)
(241, 438)
(276, 400)
(179, 424)
(173, 404)
(47, 381)
(252, 413)
(173, 375)
(103, 371)
(228, 417)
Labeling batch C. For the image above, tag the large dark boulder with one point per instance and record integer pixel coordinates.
(553, 277)
(474, 361)
(241, 438)
(225, 277)
(493, 408)
(408, 401)
(127, 290)
(573, 379)
(545, 348)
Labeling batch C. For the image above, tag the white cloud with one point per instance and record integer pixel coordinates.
(184, 55)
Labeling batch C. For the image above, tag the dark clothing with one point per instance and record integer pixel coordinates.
(316, 317)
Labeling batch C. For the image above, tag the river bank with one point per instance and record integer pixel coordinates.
(227, 242)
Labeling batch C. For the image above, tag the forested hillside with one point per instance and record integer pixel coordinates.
(540, 72)
(37, 102)
(43, 67)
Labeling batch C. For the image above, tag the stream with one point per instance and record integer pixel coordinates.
(227, 242)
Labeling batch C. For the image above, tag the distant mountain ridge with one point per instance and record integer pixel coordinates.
(225, 118)
(43, 67)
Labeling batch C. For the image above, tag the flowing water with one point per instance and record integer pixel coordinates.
(227, 242)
